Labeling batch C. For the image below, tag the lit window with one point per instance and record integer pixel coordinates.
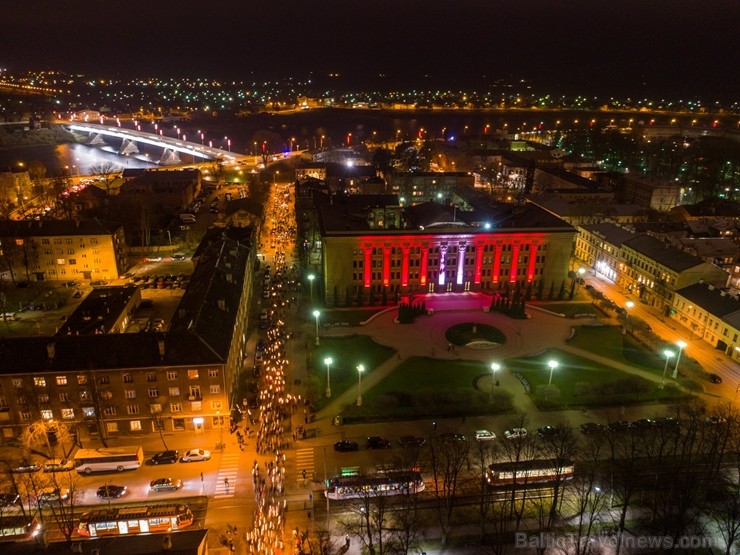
(112, 426)
(61, 380)
(192, 374)
(174, 391)
(68, 414)
(39, 381)
(216, 405)
(175, 407)
(47, 414)
(88, 412)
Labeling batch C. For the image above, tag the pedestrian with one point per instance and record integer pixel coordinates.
(434, 425)
(226, 483)
(201, 477)
(347, 541)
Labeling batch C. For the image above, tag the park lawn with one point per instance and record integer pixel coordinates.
(346, 354)
(427, 387)
(568, 309)
(352, 316)
(582, 382)
(609, 341)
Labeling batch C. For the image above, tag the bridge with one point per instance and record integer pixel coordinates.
(131, 138)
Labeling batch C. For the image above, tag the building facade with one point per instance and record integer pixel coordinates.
(49, 250)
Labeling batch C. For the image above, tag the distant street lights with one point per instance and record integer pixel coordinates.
(328, 362)
(311, 277)
(681, 347)
(316, 315)
(360, 370)
(668, 356)
(629, 305)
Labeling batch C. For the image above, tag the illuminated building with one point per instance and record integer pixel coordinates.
(372, 247)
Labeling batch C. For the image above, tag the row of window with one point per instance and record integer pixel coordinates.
(524, 247)
(128, 377)
(46, 241)
(178, 425)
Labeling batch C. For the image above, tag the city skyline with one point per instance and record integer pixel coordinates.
(664, 48)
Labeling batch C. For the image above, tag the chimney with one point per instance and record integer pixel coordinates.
(160, 344)
(51, 350)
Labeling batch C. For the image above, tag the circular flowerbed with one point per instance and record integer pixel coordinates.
(475, 336)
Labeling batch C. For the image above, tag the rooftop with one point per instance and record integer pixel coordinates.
(611, 233)
(50, 228)
(663, 253)
(713, 300)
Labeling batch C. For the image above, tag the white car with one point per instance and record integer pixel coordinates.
(516, 433)
(484, 435)
(59, 465)
(50, 495)
(195, 455)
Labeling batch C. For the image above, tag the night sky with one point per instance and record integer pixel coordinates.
(669, 48)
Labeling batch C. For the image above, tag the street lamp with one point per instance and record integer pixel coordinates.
(628, 305)
(494, 368)
(681, 347)
(552, 364)
(668, 355)
(360, 370)
(328, 362)
(311, 277)
(316, 315)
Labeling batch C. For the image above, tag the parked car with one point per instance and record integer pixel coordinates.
(643, 424)
(166, 457)
(153, 259)
(24, 466)
(515, 433)
(165, 484)
(715, 378)
(377, 442)
(346, 445)
(547, 431)
(51, 494)
(196, 455)
(9, 499)
(111, 492)
(59, 465)
(619, 426)
(588, 428)
(452, 437)
(484, 435)
(666, 422)
(411, 441)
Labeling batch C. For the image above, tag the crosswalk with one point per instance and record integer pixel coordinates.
(227, 472)
(304, 462)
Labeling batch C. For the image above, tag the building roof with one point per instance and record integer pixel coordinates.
(663, 253)
(713, 300)
(50, 228)
(612, 233)
(99, 311)
(713, 209)
(209, 307)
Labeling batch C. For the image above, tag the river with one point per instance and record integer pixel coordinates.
(337, 127)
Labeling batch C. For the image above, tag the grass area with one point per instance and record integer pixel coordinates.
(579, 381)
(346, 354)
(610, 342)
(352, 316)
(568, 309)
(462, 334)
(426, 387)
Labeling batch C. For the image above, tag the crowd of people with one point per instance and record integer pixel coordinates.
(275, 405)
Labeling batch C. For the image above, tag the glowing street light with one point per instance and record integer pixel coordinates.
(628, 305)
(360, 370)
(311, 277)
(328, 362)
(494, 368)
(681, 347)
(552, 364)
(316, 315)
(668, 356)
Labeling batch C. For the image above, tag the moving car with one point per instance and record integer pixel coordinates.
(377, 442)
(59, 465)
(195, 455)
(346, 445)
(111, 492)
(484, 435)
(166, 457)
(515, 433)
(24, 466)
(165, 484)
(50, 495)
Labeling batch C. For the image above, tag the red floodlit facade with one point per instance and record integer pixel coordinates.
(364, 264)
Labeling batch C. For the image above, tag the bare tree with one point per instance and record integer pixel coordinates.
(448, 457)
(107, 170)
(367, 520)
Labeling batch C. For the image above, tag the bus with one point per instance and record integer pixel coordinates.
(134, 520)
(15, 528)
(101, 460)
(536, 471)
(388, 483)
